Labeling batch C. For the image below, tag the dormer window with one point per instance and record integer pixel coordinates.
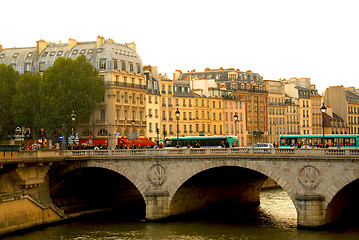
(59, 53)
(89, 51)
(15, 55)
(45, 54)
(29, 54)
(52, 53)
(83, 51)
(103, 63)
(74, 52)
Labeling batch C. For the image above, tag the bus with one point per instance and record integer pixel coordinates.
(203, 141)
(310, 141)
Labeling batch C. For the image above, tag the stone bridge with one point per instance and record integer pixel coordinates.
(322, 183)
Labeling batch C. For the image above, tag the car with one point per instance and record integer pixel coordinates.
(262, 146)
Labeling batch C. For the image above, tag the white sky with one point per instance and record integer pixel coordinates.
(318, 39)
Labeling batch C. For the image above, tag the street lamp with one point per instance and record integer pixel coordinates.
(177, 117)
(235, 125)
(158, 137)
(73, 118)
(323, 109)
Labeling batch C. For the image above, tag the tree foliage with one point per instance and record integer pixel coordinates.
(26, 102)
(66, 86)
(8, 80)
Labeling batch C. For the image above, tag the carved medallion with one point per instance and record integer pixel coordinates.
(157, 175)
(309, 177)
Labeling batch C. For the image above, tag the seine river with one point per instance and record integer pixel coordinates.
(274, 219)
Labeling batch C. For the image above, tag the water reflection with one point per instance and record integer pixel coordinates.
(274, 219)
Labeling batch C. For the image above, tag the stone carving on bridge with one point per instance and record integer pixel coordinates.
(157, 174)
(309, 177)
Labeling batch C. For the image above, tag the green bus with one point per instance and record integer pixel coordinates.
(312, 141)
(203, 141)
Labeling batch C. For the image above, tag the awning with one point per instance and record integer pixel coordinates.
(96, 141)
(139, 142)
(144, 141)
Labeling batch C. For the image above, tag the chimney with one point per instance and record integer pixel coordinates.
(1, 48)
(100, 41)
(72, 43)
(40, 46)
(131, 45)
(177, 74)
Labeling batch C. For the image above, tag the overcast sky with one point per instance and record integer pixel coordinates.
(275, 38)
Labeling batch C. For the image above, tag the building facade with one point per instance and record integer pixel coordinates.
(276, 110)
(246, 86)
(153, 108)
(122, 113)
(345, 103)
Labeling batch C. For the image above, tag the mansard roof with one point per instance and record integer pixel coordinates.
(351, 97)
(108, 51)
(222, 75)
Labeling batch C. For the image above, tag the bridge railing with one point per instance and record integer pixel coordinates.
(45, 154)
(215, 151)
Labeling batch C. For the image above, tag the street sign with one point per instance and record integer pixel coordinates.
(18, 130)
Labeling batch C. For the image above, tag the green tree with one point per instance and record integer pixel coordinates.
(66, 86)
(8, 80)
(26, 103)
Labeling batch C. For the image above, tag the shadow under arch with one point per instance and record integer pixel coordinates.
(222, 188)
(92, 189)
(343, 208)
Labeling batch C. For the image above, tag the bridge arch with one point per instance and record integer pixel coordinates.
(125, 188)
(185, 176)
(342, 198)
(109, 166)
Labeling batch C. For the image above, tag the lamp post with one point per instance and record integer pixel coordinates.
(133, 130)
(235, 126)
(177, 117)
(323, 109)
(73, 118)
(158, 137)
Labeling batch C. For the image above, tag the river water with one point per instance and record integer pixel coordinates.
(274, 219)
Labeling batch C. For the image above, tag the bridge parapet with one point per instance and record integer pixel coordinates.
(207, 151)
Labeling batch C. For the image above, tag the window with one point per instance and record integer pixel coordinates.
(115, 66)
(123, 66)
(60, 53)
(89, 51)
(138, 68)
(131, 67)
(126, 97)
(41, 67)
(102, 114)
(45, 54)
(27, 67)
(134, 98)
(103, 63)
(51, 54)
(15, 55)
(83, 51)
